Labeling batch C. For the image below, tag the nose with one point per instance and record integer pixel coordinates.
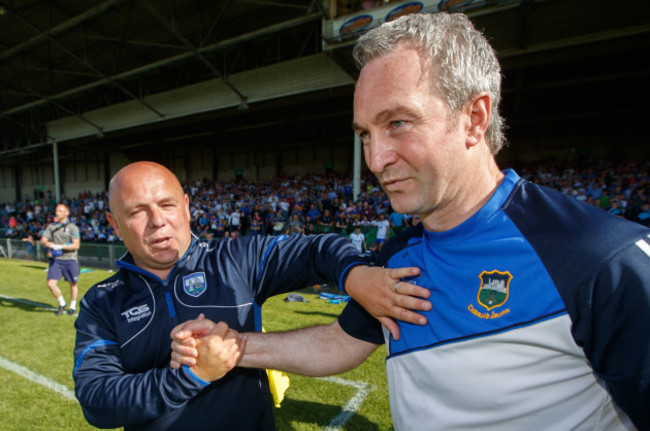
(156, 217)
(379, 153)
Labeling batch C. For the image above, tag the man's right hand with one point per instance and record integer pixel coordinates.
(385, 297)
(209, 349)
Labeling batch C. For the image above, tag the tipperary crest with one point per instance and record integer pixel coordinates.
(194, 284)
(494, 288)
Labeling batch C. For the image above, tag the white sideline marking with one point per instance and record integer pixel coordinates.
(28, 374)
(27, 302)
(335, 424)
(37, 378)
(352, 406)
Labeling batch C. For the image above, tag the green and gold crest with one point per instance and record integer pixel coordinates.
(494, 288)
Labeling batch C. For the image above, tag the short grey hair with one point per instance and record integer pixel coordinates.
(461, 61)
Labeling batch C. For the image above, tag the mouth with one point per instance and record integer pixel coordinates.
(394, 184)
(161, 242)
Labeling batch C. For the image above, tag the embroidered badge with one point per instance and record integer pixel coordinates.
(194, 284)
(494, 288)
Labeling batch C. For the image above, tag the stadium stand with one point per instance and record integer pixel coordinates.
(323, 203)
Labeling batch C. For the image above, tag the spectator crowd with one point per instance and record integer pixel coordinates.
(312, 204)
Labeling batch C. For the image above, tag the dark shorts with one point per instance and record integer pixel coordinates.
(68, 269)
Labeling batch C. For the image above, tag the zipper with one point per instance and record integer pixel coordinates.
(168, 296)
(170, 303)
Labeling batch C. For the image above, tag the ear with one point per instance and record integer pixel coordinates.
(478, 112)
(187, 207)
(113, 223)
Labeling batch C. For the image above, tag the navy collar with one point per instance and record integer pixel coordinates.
(126, 262)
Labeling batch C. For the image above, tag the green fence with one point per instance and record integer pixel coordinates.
(101, 255)
(94, 255)
(369, 231)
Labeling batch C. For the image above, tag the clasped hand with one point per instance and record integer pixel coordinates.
(212, 349)
(209, 349)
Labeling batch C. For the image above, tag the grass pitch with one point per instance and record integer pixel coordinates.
(33, 338)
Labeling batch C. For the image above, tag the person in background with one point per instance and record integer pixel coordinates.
(295, 226)
(358, 239)
(62, 239)
(326, 222)
(31, 246)
(643, 217)
(383, 230)
(341, 223)
(313, 214)
(397, 221)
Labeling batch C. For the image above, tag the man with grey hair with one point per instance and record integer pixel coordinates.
(541, 304)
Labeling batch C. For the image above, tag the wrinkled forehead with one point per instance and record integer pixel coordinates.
(388, 80)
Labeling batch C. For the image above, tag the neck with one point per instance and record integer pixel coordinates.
(161, 273)
(476, 187)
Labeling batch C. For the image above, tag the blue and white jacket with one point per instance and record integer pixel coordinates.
(540, 319)
(122, 374)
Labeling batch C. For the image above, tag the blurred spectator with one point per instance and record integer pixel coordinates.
(372, 252)
(367, 211)
(326, 222)
(313, 214)
(615, 208)
(358, 239)
(397, 221)
(31, 246)
(383, 230)
(235, 220)
(644, 216)
(296, 226)
(326, 202)
(256, 223)
(310, 229)
(341, 223)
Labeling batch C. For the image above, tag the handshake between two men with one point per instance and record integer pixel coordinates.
(212, 349)
(219, 348)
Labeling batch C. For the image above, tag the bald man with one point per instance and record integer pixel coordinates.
(168, 276)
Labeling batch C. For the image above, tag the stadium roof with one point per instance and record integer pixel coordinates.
(135, 75)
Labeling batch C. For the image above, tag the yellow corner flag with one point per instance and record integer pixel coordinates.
(278, 384)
